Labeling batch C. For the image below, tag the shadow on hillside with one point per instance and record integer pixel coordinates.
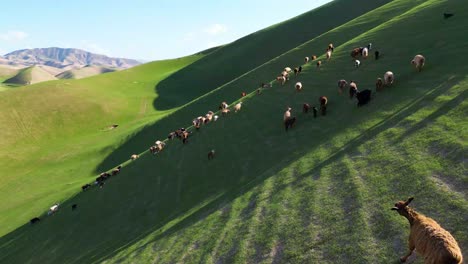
(142, 201)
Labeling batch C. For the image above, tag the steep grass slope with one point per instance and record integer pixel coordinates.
(320, 193)
(30, 75)
(64, 125)
(54, 134)
(84, 72)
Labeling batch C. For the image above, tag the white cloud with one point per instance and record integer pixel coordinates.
(215, 29)
(13, 35)
(93, 47)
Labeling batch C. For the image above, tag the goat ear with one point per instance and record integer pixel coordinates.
(409, 200)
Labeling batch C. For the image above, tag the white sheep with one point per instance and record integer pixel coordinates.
(237, 107)
(215, 118)
(287, 69)
(298, 86)
(388, 78)
(134, 156)
(365, 53)
(53, 209)
(328, 54)
(418, 62)
(306, 59)
(357, 63)
(287, 114)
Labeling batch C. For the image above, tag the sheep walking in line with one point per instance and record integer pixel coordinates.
(323, 104)
(287, 69)
(134, 156)
(237, 107)
(314, 57)
(319, 63)
(328, 54)
(342, 85)
(287, 114)
(428, 238)
(356, 52)
(211, 154)
(306, 59)
(357, 63)
(298, 86)
(330, 47)
(305, 108)
(418, 62)
(281, 79)
(389, 78)
(378, 85)
(365, 53)
(352, 89)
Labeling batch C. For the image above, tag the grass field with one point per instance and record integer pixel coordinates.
(320, 193)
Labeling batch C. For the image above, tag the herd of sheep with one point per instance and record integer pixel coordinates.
(427, 237)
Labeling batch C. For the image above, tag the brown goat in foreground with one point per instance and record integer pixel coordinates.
(430, 240)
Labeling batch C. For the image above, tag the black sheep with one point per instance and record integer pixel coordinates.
(363, 97)
(34, 220)
(289, 123)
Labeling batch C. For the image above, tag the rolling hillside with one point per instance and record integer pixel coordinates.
(319, 193)
(86, 71)
(30, 75)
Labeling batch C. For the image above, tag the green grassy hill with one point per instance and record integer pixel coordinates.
(84, 72)
(54, 134)
(30, 75)
(320, 193)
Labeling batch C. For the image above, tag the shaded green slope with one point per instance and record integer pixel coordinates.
(320, 193)
(244, 54)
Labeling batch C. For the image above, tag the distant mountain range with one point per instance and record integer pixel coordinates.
(64, 58)
(37, 65)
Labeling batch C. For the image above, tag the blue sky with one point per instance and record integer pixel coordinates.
(139, 29)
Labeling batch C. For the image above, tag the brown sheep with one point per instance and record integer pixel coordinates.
(342, 85)
(225, 111)
(243, 94)
(323, 104)
(281, 79)
(319, 63)
(314, 57)
(429, 239)
(134, 156)
(352, 89)
(418, 62)
(355, 53)
(305, 108)
(378, 84)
